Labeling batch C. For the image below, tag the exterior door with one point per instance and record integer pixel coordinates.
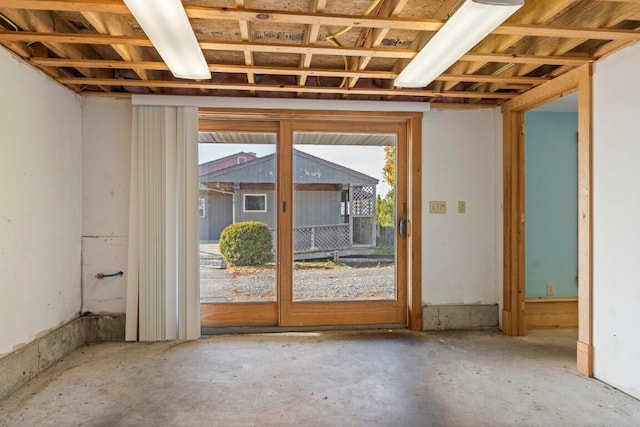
(339, 257)
(363, 280)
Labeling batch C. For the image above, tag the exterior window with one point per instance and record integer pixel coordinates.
(202, 210)
(241, 159)
(255, 202)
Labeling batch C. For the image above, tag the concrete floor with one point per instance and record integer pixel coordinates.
(348, 378)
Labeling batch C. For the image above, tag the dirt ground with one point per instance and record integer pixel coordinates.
(228, 285)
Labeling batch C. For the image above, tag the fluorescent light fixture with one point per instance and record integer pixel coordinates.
(472, 22)
(166, 24)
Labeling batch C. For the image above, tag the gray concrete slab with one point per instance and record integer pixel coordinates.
(346, 378)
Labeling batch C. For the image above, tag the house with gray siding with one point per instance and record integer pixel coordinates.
(333, 209)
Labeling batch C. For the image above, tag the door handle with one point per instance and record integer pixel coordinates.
(403, 223)
(402, 227)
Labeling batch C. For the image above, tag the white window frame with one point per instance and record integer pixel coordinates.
(202, 208)
(241, 159)
(244, 202)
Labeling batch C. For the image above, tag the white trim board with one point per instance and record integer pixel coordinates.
(278, 103)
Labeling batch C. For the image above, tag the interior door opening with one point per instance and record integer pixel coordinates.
(551, 212)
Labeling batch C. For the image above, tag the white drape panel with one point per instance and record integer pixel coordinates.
(163, 296)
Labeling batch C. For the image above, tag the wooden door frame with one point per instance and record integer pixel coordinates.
(514, 311)
(412, 123)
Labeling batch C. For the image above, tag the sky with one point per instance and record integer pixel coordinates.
(365, 159)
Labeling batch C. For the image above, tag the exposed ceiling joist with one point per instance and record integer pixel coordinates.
(99, 39)
(56, 62)
(278, 88)
(542, 11)
(283, 17)
(353, 49)
(114, 25)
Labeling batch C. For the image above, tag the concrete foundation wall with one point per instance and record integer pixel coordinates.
(40, 204)
(471, 316)
(17, 368)
(616, 228)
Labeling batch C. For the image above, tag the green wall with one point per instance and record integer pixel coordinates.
(551, 182)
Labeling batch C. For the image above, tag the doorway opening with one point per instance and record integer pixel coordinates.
(514, 315)
(551, 214)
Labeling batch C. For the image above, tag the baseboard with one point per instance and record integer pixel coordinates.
(19, 367)
(459, 316)
(549, 313)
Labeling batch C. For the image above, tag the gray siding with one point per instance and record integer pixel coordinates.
(310, 208)
(316, 208)
(219, 213)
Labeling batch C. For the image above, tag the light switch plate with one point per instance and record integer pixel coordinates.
(462, 206)
(437, 207)
(550, 291)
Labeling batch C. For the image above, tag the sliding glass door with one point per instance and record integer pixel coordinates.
(330, 201)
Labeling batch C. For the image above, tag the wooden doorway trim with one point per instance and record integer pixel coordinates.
(257, 119)
(513, 313)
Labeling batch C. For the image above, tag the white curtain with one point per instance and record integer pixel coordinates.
(163, 281)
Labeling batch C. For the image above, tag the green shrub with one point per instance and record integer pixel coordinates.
(246, 243)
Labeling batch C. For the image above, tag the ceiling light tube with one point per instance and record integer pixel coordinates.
(166, 24)
(471, 23)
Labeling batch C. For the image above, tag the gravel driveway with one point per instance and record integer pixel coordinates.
(370, 283)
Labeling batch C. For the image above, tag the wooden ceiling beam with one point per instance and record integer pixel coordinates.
(526, 59)
(213, 13)
(310, 37)
(114, 24)
(592, 16)
(100, 39)
(558, 31)
(283, 17)
(19, 49)
(535, 12)
(215, 68)
(283, 71)
(245, 35)
(103, 39)
(391, 8)
(47, 22)
(284, 88)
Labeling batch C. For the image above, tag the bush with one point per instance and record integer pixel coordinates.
(246, 243)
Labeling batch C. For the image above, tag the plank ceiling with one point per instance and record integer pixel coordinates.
(289, 48)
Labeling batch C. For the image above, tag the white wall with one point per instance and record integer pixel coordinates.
(461, 252)
(461, 161)
(40, 203)
(616, 216)
(105, 200)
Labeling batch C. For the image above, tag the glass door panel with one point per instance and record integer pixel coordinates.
(344, 217)
(237, 203)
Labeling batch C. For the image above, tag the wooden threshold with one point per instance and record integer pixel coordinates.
(244, 313)
(551, 313)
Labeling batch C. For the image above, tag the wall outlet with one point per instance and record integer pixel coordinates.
(437, 207)
(550, 289)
